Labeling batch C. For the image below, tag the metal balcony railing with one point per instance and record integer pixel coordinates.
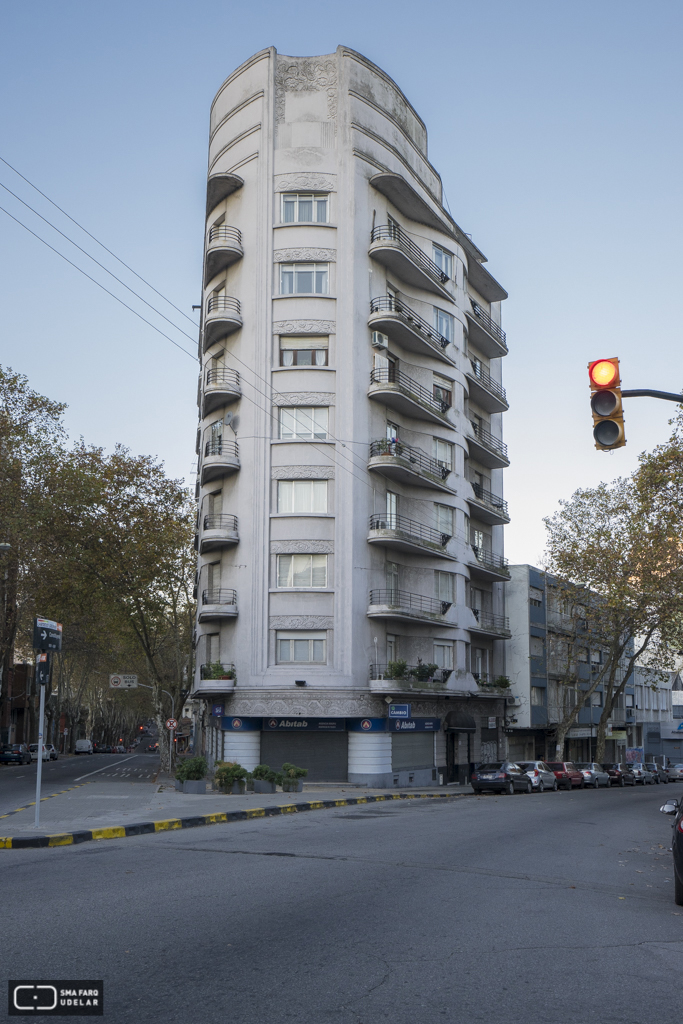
(409, 387)
(219, 446)
(487, 323)
(393, 233)
(410, 528)
(223, 233)
(217, 670)
(221, 522)
(395, 598)
(398, 671)
(223, 304)
(492, 500)
(490, 561)
(418, 459)
(390, 304)
(487, 382)
(487, 620)
(219, 595)
(219, 376)
(486, 438)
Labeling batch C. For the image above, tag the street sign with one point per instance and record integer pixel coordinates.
(171, 723)
(43, 669)
(399, 710)
(123, 682)
(47, 635)
(217, 710)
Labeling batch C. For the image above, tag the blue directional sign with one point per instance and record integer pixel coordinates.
(47, 635)
(400, 710)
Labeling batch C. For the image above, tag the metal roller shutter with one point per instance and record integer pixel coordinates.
(412, 750)
(324, 754)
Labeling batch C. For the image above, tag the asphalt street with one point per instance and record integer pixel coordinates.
(553, 908)
(18, 782)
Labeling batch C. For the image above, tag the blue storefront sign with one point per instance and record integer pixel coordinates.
(366, 724)
(283, 724)
(236, 724)
(414, 725)
(400, 710)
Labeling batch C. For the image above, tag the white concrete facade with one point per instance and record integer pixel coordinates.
(351, 357)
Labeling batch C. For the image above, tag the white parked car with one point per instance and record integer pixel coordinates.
(593, 774)
(542, 777)
(33, 747)
(83, 747)
(52, 751)
(675, 772)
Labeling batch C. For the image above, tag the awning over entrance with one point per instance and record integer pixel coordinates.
(459, 720)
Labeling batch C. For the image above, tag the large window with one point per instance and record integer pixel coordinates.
(303, 422)
(538, 696)
(303, 351)
(443, 654)
(443, 260)
(302, 496)
(298, 208)
(303, 648)
(443, 322)
(444, 586)
(444, 519)
(443, 452)
(304, 278)
(302, 570)
(443, 389)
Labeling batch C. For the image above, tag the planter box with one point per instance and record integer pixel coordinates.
(250, 785)
(194, 786)
(239, 787)
(293, 786)
(264, 787)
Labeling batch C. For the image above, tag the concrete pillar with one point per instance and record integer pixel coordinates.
(370, 758)
(243, 748)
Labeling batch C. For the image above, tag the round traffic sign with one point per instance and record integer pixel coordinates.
(115, 682)
(171, 723)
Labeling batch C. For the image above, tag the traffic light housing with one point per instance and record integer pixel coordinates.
(608, 416)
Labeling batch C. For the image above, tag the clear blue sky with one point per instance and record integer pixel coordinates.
(556, 128)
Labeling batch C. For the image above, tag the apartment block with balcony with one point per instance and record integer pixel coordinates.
(350, 497)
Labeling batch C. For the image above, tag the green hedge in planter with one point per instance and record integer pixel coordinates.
(290, 771)
(229, 772)
(263, 773)
(193, 768)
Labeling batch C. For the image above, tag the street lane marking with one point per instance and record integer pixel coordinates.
(103, 768)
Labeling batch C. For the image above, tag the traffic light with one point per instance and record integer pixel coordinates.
(608, 417)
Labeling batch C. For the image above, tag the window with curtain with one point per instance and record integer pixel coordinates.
(443, 322)
(304, 278)
(442, 451)
(444, 585)
(303, 351)
(301, 571)
(303, 422)
(302, 496)
(443, 654)
(304, 648)
(443, 389)
(444, 519)
(443, 260)
(298, 208)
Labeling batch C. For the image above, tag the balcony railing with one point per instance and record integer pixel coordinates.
(487, 382)
(221, 522)
(487, 323)
(490, 561)
(223, 304)
(408, 387)
(224, 233)
(492, 500)
(410, 602)
(487, 620)
(409, 528)
(487, 440)
(397, 671)
(220, 377)
(219, 446)
(393, 233)
(219, 595)
(390, 304)
(216, 670)
(419, 459)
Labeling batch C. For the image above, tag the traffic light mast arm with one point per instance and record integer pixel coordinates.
(669, 396)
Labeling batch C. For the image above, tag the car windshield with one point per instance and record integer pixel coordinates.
(583, 764)
(493, 766)
(556, 766)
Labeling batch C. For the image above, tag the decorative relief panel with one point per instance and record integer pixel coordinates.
(305, 253)
(305, 74)
(301, 547)
(304, 398)
(302, 473)
(301, 622)
(324, 707)
(304, 327)
(305, 182)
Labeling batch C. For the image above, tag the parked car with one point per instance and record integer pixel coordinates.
(593, 774)
(84, 747)
(33, 747)
(542, 777)
(675, 772)
(675, 807)
(659, 774)
(620, 774)
(500, 777)
(15, 753)
(567, 775)
(51, 751)
(642, 774)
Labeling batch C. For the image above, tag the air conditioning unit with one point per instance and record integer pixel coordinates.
(380, 340)
(513, 702)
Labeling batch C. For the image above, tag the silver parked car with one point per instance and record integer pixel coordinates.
(542, 777)
(642, 774)
(593, 774)
(675, 772)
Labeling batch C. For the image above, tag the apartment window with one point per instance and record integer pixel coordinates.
(303, 423)
(477, 538)
(596, 657)
(304, 278)
(443, 389)
(303, 351)
(298, 208)
(535, 647)
(444, 519)
(569, 698)
(212, 648)
(392, 647)
(535, 597)
(391, 509)
(443, 260)
(538, 696)
(302, 496)
(629, 700)
(480, 663)
(301, 571)
(303, 648)
(443, 654)
(596, 699)
(444, 586)
(442, 451)
(443, 322)
(582, 654)
(391, 576)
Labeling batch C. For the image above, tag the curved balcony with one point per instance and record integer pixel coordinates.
(224, 247)
(488, 624)
(484, 565)
(399, 461)
(223, 317)
(220, 459)
(221, 387)
(388, 603)
(404, 534)
(488, 337)
(219, 186)
(218, 604)
(407, 328)
(486, 391)
(218, 532)
(399, 391)
(215, 679)
(488, 450)
(487, 507)
(397, 677)
(393, 248)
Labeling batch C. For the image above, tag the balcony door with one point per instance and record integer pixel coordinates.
(392, 510)
(392, 588)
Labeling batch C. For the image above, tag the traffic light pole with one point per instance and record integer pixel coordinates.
(668, 396)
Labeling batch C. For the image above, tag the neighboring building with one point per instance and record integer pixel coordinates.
(549, 636)
(17, 706)
(656, 731)
(350, 528)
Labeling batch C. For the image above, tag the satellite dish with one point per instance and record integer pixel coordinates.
(228, 418)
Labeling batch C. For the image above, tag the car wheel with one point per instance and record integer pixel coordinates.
(582, 785)
(678, 890)
(621, 782)
(510, 789)
(476, 790)
(596, 784)
(529, 788)
(541, 787)
(657, 781)
(555, 786)
(568, 787)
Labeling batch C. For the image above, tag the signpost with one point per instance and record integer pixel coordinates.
(47, 637)
(123, 682)
(171, 725)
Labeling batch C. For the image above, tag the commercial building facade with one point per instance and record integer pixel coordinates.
(350, 525)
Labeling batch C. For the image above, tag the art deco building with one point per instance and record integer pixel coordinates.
(350, 524)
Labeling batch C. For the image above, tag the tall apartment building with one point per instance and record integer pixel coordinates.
(350, 527)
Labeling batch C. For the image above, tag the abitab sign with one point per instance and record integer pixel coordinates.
(671, 730)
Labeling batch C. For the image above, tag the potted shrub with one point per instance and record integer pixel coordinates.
(190, 775)
(265, 779)
(396, 669)
(293, 778)
(215, 670)
(423, 672)
(231, 778)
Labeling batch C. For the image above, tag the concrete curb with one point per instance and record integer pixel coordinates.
(219, 818)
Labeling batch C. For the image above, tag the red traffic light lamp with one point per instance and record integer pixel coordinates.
(608, 419)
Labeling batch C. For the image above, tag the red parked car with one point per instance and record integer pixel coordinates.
(566, 774)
